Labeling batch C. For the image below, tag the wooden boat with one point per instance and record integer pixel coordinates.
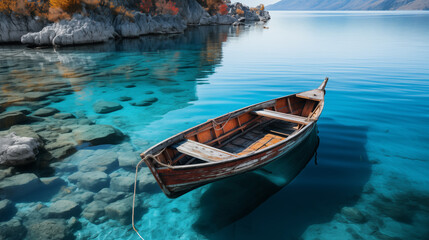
(234, 143)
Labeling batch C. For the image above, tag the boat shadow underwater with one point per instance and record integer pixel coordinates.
(256, 205)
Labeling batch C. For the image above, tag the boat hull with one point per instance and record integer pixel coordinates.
(177, 181)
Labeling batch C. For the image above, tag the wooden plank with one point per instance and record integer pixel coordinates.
(202, 151)
(308, 108)
(283, 116)
(316, 95)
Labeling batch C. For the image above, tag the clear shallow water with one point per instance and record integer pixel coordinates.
(373, 132)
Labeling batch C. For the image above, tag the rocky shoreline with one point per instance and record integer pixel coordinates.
(99, 24)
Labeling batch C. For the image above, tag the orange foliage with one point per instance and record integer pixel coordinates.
(70, 6)
(239, 11)
(25, 7)
(158, 7)
(56, 14)
(166, 7)
(223, 9)
(262, 7)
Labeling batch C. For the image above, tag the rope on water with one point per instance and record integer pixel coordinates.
(134, 195)
(147, 157)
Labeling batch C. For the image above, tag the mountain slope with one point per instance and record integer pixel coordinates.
(350, 5)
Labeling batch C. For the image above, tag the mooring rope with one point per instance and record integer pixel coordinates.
(134, 195)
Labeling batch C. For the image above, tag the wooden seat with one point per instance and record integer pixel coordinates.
(283, 116)
(202, 151)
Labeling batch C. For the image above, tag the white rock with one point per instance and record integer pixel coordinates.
(78, 30)
(15, 150)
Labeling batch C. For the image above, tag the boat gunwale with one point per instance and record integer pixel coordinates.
(198, 165)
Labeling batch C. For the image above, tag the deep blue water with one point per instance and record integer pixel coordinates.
(373, 132)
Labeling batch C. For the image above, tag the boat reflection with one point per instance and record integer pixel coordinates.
(228, 200)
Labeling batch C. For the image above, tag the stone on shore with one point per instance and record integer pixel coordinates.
(17, 151)
(106, 107)
(12, 27)
(45, 112)
(78, 30)
(97, 134)
(19, 185)
(63, 209)
(9, 119)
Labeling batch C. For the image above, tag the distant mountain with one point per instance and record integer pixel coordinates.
(350, 5)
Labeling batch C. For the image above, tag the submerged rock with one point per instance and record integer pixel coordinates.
(128, 160)
(353, 214)
(50, 229)
(16, 151)
(19, 185)
(108, 196)
(63, 209)
(93, 181)
(63, 116)
(97, 134)
(12, 230)
(7, 210)
(145, 102)
(125, 98)
(94, 211)
(78, 30)
(106, 107)
(9, 119)
(122, 184)
(120, 210)
(45, 112)
(104, 163)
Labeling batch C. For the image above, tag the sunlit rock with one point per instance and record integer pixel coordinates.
(78, 30)
(15, 150)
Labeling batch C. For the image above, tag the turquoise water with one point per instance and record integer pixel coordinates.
(373, 132)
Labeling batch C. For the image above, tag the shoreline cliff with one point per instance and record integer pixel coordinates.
(99, 22)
